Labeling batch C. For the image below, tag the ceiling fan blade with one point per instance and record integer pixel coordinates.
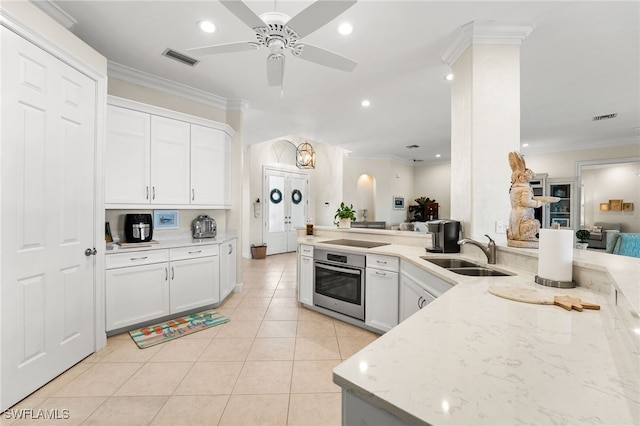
(243, 12)
(275, 69)
(223, 48)
(324, 57)
(317, 15)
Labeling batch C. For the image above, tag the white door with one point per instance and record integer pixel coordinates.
(47, 187)
(286, 203)
(170, 158)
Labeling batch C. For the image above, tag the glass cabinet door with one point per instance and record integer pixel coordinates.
(561, 212)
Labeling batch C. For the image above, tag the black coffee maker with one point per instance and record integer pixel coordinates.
(446, 233)
(138, 227)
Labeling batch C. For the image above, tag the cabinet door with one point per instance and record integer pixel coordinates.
(305, 280)
(194, 283)
(412, 297)
(210, 171)
(170, 157)
(136, 294)
(381, 299)
(127, 156)
(227, 268)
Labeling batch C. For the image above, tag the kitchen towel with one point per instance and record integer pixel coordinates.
(555, 255)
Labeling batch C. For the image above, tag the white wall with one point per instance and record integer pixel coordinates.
(393, 178)
(434, 181)
(614, 182)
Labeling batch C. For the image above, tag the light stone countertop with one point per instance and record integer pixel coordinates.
(167, 242)
(470, 357)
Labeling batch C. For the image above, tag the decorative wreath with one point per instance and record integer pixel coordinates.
(296, 196)
(275, 196)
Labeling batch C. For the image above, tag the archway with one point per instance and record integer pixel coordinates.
(366, 198)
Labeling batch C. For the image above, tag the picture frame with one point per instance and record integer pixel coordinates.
(627, 207)
(615, 205)
(398, 203)
(108, 237)
(562, 222)
(165, 219)
(604, 207)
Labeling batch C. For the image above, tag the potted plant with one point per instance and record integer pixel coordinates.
(583, 239)
(344, 215)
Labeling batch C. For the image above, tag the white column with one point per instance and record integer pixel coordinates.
(485, 123)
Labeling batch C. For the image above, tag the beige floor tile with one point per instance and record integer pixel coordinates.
(248, 314)
(180, 349)
(255, 302)
(284, 302)
(322, 409)
(287, 285)
(344, 329)
(197, 410)
(66, 410)
(10, 416)
(272, 348)
(249, 410)
(264, 377)
(227, 350)
(314, 376)
(316, 348)
(259, 293)
(237, 329)
(233, 300)
(127, 410)
(62, 380)
(210, 378)
(130, 352)
(225, 311)
(308, 314)
(155, 379)
(313, 328)
(292, 293)
(285, 314)
(277, 329)
(102, 379)
(113, 343)
(352, 344)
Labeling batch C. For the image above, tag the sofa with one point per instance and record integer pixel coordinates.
(602, 233)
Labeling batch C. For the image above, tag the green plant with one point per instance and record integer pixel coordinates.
(345, 212)
(424, 200)
(583, 235)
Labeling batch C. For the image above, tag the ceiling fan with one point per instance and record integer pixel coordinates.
(278, 32)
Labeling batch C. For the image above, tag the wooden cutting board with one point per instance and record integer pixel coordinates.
(527, 295)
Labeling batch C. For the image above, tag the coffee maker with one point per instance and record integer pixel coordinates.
(138, 227)
(445, 233)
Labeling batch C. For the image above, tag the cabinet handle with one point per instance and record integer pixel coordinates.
(420, 303)
(172, 273)
(154, 192)
(166, 273)
(195, 252)
(230, 248)
(381, 273)
(138, 258)
(384, 262)
(193, 194)
(147, 187)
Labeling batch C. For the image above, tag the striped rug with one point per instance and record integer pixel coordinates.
(172, 329)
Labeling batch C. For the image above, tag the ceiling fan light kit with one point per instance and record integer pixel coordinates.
(278, 32)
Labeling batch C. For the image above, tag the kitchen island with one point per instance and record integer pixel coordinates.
(470, 357)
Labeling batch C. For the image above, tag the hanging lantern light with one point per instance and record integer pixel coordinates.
(305, 156)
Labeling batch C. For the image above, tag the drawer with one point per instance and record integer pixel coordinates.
(378, 261)
(306, 250)
(193, 252)
(136, 258)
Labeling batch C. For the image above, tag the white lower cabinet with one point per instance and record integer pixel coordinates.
(381, 292)
(305, 274)
(227, 268)
(194, 283)
(418, 288)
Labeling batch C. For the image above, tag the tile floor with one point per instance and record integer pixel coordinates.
(270, 365)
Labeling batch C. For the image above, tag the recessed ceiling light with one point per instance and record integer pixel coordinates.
(449, 77)
(438, 155)
(345, 28)
(365, 103)
(207, 26)
(524, 145)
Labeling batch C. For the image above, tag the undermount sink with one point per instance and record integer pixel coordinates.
(464, 267)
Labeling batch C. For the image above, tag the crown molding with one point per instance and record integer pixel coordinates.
(59, 15)
(237, 104)
(132, 75)
(485, 32)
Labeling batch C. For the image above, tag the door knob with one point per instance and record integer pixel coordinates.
(90, 251)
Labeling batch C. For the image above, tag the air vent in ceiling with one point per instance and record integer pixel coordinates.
(605, 117)
(416, 160)
(170, 53)
(413, 146)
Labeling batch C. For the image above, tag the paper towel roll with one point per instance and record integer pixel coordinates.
(555, 254)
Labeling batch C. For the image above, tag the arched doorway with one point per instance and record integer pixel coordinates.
(366, 197)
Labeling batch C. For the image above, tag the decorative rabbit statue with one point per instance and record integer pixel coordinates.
(523, 226)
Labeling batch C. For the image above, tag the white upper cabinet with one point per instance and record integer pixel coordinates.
(170, 158)
(210, 167)
(127, 156)
(165, 159)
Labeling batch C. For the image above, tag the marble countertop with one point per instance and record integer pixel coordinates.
(471, 357)
(183, 240)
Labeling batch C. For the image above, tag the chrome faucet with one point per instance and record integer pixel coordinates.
(489, 250)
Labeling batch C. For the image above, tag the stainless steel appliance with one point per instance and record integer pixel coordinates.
(204, 226)
(446, 234)
(339, 282)
(138, 227)
(355, 243)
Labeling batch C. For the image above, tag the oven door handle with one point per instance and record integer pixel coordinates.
(335, 269)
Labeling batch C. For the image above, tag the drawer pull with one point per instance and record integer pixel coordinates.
(384, 262)
(139, 258)
(381, 273)
(172, 273)
(166, 274)
(195, 252)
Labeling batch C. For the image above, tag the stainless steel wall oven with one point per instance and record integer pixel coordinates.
(339, 282)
